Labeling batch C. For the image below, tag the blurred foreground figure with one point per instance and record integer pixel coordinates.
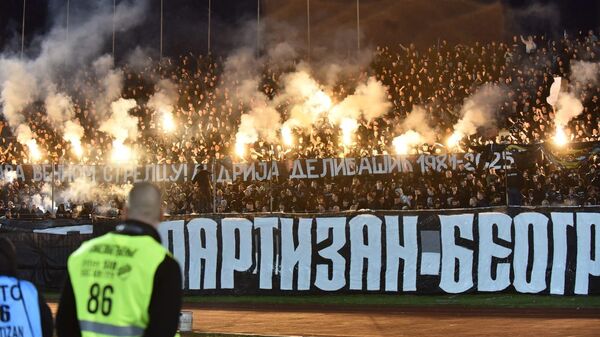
(23, 310)
(123, 283)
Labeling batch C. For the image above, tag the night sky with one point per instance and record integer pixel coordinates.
(186, 29)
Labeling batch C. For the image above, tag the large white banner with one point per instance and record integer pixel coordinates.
(549, 250)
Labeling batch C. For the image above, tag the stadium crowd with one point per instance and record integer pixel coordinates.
(438, 78)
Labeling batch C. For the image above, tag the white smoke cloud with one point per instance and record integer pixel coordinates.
(59, 108)
(25, 81)
(369, 101)
(262, 122)
(121, 125)
(8, 177)
(584, 73)
(308, 101)
(111, 81)
(163, 102)
(80, 190)
(303, 88)
(403, 143)
(139, 59)
(479, 113)
(72, 133)
(42, 200)
(165, 98)
(567, 107)
(83, 190)
(18, 90)
(418, 122)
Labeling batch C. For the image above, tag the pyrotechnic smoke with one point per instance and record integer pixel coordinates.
(42, 200)
(584, 73)
(19, 89)
(261, 121)
(301, 93)
(403, 143)
(61, 115)
(348, 126)
(73, 132)
(25, 136)
(242, 78)
(308, 101)
(416, 131)
(85, 190)
(25, 81)
(478, 113)
(80, 190)
(417, 121)
(567, 107)
(59, 108)
(121, 126)
(369, 101)
(8, 177)
(111, 85)
(163, 102)
(240, 66)
(139, 59)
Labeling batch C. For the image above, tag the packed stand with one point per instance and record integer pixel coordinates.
(438, 79)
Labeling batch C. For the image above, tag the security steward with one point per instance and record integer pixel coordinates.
(23, 310)
(123, 283)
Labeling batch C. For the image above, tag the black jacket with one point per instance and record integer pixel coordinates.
(165, 304)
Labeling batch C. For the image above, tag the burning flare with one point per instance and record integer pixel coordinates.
(168, 122)
(404, 142)
(287, 136)
(76, 147)
(560, 137)
(319, 102)
(121, 153)
(34, 150)
(240, 148)
(453, 140)
(348, 127)
(73, 134)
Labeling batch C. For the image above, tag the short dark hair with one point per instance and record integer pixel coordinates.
(8, 257)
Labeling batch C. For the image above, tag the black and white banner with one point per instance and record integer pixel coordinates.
(226, 170)
(524, 250)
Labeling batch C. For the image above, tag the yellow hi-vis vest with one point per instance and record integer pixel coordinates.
(113, 278)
